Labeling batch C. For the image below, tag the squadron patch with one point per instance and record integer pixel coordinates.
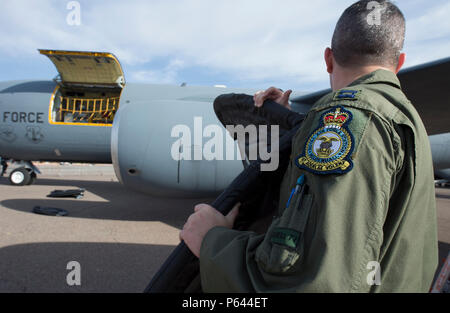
(329, 148)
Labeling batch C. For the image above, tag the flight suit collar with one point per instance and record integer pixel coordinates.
(380, 76)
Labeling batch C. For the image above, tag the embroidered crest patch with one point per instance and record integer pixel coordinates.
(329, 148)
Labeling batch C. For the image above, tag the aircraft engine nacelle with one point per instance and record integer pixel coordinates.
(149, 137)
(440, 148)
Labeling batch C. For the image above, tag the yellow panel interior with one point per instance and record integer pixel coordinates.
(85, 67)
(85, 106)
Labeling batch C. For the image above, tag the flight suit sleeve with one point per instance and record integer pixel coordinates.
(329, 238)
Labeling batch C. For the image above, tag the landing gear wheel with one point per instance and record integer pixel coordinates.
(20, 177)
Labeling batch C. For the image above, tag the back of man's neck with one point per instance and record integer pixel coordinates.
(346, 76)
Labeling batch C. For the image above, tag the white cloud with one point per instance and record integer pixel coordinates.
(251, 40)
(168, 75)
(428, 35)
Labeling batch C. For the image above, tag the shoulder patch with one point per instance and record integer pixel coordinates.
(346, 94)
(329, 148)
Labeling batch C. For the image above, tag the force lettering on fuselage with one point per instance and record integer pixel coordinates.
(23, 117)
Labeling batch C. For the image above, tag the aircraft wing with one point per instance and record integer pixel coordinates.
(426, 86)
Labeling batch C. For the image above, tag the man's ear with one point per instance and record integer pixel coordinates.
(401, 61)
(329, 60)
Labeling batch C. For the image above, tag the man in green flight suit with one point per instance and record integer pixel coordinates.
(357, 206)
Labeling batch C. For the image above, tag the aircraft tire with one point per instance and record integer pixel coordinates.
(33, 177)
(20, 177)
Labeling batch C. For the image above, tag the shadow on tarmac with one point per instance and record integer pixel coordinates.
(104, 267)
(121, 203)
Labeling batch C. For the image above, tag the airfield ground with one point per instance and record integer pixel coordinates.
(119, 237)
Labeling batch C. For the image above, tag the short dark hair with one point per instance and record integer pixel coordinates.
(359, 41)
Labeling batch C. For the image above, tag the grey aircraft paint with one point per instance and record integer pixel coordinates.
(25, 133)
(440, 147)
(141, 141)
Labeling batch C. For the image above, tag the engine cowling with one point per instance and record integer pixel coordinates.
(440, 149)
(142, 149)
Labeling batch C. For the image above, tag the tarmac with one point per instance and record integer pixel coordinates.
(119, 237)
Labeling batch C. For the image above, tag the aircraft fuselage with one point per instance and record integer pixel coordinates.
(26, 131)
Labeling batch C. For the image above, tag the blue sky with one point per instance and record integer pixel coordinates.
(238, 43)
